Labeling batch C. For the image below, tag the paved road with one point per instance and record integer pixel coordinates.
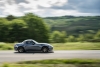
(11, 56)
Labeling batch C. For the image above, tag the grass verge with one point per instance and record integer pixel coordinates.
(51, 65)
(61, 46)
(56, 63)
(62, 61)
(76, 46)
(6, 46)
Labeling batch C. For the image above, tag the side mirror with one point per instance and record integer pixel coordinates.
(33, 43)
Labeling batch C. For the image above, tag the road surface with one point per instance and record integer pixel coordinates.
(12, 56)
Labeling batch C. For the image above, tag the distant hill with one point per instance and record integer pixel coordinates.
(74, 25)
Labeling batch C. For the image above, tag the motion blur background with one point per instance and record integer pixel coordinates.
(50, 20)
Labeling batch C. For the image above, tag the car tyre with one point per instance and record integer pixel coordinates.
(45, 49)
(21, 50)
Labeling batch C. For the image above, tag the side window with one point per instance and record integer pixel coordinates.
(27, 42)
(30, 42)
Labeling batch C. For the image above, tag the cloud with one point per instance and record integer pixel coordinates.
(10, 7)
(41, 7)
(50, 7)
(21, 1)
(86, 6)
(53, 12)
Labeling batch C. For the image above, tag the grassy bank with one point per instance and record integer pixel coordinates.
(56, 63)
(61, 46)
(76, 46)
(62, 61)
(51, 65)
(6, 46)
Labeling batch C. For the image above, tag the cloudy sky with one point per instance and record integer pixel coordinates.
(46, 8)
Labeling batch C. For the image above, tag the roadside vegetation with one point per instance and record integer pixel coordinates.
(17, 29)
(56, 63)
(76, 46)
(50, 29)
(62, 61)
(6, 46)
(51, 65)
(61, 46)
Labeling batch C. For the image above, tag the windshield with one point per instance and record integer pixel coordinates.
(34, 41)
(29, 40)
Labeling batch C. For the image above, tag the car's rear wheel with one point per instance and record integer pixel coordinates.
(45, 49)
(21, 50)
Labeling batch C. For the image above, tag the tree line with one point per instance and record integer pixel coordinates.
(17, 29)
(31, 26)
(62, 37)
(74, 25)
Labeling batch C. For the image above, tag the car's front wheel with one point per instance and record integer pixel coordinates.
(21, 50)
(45, 49)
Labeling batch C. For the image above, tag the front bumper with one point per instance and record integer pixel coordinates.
(15, 48)
(51, 49)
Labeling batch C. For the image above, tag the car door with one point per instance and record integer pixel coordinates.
(36, 47)
(30, 45)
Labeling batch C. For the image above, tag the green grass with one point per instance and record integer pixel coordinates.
(56, 63)
(76, 46)
(62, 61)
(6, 46)
(51, 65)
(61, 46)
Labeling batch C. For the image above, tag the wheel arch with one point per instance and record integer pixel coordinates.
(21, 47)
(44, 46)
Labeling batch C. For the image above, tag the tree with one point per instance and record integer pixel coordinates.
(58, 37)
(97, 36)
(37, 29)
(4, 30)
(71, 39)
(81, 38)
(63, 36)
(17, 31)
(10, 17)
(88, 37)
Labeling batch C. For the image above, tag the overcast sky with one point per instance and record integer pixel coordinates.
(46, 8)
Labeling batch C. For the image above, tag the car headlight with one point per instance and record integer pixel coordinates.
(16, 46)
(51, 46)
